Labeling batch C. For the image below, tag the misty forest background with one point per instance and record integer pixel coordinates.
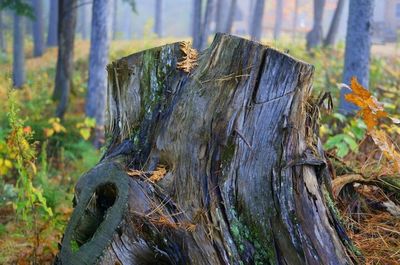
(53, 80)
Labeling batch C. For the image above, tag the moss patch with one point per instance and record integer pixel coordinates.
(264, 252)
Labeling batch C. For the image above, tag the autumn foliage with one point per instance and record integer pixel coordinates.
(371, 112)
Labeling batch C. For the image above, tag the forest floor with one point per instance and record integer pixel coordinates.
(63, 151)
(391, 50)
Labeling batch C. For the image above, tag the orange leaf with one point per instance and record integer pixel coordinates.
(358, 89)
(158, 174)
(370, 109)
(357, 100)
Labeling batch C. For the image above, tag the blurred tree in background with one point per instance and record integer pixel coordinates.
(98, 59)
(67, 14)
(38, 28)
(358, 48)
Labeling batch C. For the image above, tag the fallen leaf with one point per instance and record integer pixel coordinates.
(158, 174)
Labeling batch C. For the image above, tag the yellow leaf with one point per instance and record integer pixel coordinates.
(7, 163)
(90, 122)
(54, 120)
(3, 170)
(85, 133)
(48, 132)
(58, 127)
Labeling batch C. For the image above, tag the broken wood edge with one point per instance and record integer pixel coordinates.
(108, 173)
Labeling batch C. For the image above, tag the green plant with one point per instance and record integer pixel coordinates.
(85, 127)
(23, 152)
(347, 139)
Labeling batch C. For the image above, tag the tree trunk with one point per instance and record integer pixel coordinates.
(38, 28)
(67, 13)
(278, 19)
(330, 39)
(127, 21)
(85, 16)
(256, 22)
(196, 30)
(295, 16)
(219, 27)
(358, 48)
(206, 25)
(99, 48)
(314, 37)
(3, 43)
(245, 181)
(53, 22)
(231, 16)
(18, 52)
(158, 18)
(115, 20)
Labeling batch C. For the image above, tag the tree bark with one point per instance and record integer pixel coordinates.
(38, 28)
(196, 30)
(53, 22)
(246, 180)
(231, 16)
(314, 37)
(67, 13)
(358, 48)
(158, 18)
(278, 19)
(98, 59)
(18, 52)
(256, 22)
(331, 38)
(206, 24)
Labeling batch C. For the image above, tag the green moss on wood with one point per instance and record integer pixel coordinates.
(264, 249)
(334, 210)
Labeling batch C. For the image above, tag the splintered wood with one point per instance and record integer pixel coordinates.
(189, 59)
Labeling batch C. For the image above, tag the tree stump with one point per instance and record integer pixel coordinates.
(221, 165)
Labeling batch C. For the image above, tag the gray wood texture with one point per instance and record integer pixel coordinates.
(246, 179)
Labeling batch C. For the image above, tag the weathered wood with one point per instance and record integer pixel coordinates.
(246, 179)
